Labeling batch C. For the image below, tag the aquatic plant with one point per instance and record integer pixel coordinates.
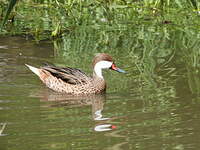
(52, 18)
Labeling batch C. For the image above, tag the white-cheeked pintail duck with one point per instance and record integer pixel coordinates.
(74, 81)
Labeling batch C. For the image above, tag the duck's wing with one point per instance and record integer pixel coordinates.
(68, 75)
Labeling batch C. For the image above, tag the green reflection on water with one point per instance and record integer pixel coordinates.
(154, 57)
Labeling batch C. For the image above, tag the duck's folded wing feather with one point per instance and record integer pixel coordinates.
(69, 75)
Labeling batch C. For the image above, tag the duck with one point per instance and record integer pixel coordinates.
(73, 81)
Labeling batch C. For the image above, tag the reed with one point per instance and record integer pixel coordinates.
(2, 129)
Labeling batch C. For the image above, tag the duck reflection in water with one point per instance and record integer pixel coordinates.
(59, 99)
(95, 101)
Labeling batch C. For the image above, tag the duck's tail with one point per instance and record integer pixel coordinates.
(34, 70)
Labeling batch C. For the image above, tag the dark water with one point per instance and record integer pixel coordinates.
(131, 115)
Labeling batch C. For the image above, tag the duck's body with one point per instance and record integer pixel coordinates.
(74, 81)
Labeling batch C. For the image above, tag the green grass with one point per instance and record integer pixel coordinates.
(46, 19)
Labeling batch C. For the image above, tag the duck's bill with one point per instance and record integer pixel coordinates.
(120, 70)
(113, 67)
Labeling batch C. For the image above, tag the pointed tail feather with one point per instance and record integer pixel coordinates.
(33, 69)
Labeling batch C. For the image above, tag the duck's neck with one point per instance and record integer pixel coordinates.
(98, 73)
(99, 66)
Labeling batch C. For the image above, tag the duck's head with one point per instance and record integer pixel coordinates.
(104, 61)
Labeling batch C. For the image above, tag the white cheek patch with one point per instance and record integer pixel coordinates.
(102, 65)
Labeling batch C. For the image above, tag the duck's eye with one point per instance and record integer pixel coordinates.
(113, 67)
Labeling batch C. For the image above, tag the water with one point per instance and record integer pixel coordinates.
(131, 115)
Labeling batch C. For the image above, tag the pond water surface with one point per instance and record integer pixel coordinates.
(126, 117)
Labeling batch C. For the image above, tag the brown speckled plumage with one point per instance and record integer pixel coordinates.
(72, 81)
